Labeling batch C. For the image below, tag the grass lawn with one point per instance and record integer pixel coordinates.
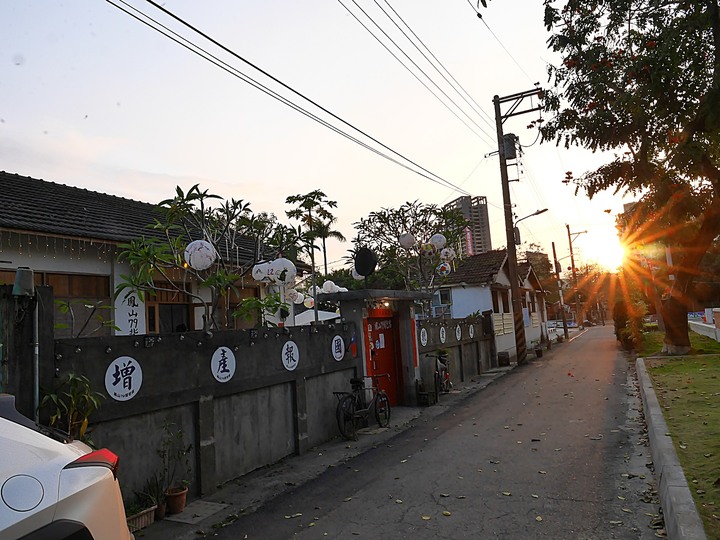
(688, 389)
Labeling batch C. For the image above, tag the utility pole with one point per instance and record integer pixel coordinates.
(562, 302)
(574, 272)
(519, 323)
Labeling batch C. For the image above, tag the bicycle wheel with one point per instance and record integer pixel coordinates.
(382, 409)
(345, 414)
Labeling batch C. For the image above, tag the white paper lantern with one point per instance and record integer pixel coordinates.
(443, 269)
(448, 254)
(407, 240)
(356, 276)
(329, 287)
(309, 302)
(260, 271)
(200, 254)
(299, 299)
(427, 250)
(438, 240)
(291, 294)
(342, 289)
(282, 270)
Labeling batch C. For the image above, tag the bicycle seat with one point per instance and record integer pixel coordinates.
(357, 382)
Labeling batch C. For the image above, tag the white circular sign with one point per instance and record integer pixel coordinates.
(290, 355)
(471, 330)
(443, 334)
(123, 378)
(423, 336)
(223, 364)
(200, 254)
(338, 348)
(458, 332)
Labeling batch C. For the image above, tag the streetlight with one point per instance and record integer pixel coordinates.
(516, 231)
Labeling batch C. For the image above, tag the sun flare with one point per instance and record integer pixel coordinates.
(604, 249)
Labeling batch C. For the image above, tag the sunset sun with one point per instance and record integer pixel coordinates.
(604, 249)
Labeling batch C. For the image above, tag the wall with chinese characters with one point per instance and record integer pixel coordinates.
(244, 398)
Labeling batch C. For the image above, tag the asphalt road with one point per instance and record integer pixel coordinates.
(555, 449)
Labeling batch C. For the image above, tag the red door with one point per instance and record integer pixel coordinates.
(380, 341)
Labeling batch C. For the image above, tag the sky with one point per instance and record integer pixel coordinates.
(93, 98)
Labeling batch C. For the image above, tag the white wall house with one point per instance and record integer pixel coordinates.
(480, 283)
(71, 237)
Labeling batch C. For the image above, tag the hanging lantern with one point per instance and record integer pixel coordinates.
(200, 254)
(291, 294)
(356, 276)
(299, 299)
(407, 240)
(427, 250)
(443, 269)
(282, 271)
(260, 272)
(448, 254)
(438, 240)
(329, 287)
(309, 302)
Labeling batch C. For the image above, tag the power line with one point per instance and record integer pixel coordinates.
(193, 47)
(476, 106)
(379, 40)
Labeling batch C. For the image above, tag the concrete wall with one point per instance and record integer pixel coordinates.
(704, 329)
(470, 350)
(261, 414)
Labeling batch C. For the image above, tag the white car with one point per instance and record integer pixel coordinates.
(54, 488)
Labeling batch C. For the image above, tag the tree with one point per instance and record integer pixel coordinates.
(544, 271)
(381, 231)
(642, 78)
(239, 238)
(323, 230)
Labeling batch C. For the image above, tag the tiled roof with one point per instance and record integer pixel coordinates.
(33, 205)
(478, 269)
(29, 204)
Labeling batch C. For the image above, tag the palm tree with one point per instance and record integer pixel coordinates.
(323, 231)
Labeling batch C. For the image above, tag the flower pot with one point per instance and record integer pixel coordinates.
(176, 498)
(141, 519)
(160, 511)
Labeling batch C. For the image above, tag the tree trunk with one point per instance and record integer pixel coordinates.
(677, 340)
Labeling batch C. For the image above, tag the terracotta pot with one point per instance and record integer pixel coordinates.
(160, 511)
(176, 498)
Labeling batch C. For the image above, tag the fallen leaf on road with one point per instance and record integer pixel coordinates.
(426, 518)
(348, 499)
(447, 513)
(399, 501)
(444, 494)
(460, 497)
(627, 510)
(542, 472)
(506, 493)
(538, 518)
(534, 496)
(616, 523)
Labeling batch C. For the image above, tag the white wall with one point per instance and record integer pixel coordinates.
(469, 300)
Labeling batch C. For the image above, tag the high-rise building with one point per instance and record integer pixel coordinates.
(477, 235)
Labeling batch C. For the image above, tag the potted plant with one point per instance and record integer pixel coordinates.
(139, 515)
(153, 494)
(175, 456)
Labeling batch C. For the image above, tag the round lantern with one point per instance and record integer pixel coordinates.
(427, 250)
(447, 254)
(407, 240)
(260, 271)
(329, 287)
(438, 240)
(291, 294)
(309, 302)
(355, 275)
(443, 269)
(299, 299)
(282, 270)
(200, 254)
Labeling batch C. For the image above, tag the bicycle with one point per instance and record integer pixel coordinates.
(352, 407)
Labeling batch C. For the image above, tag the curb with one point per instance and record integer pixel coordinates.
(682, 520)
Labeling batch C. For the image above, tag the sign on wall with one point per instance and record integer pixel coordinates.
(290, 355)
(338, 348)
(129, 315)
(223, 364)
(123, 378)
